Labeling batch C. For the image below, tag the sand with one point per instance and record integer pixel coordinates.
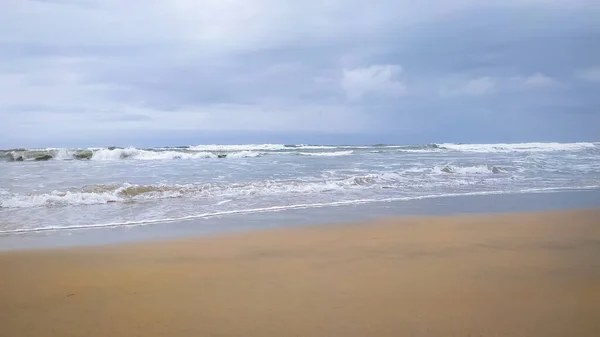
(531, 274)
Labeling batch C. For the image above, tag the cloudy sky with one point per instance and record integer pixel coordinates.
(158, 72)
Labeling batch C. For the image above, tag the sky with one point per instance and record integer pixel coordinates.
(180, 72)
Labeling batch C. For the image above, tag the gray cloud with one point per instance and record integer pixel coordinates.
(397, 70)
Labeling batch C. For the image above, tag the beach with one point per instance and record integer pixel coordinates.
(519, 274)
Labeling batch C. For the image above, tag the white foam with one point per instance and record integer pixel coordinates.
(328, 154)
(244, 154)
(255, 150)
(102, 194)
(232, 148)
(332, 147)
(284, 208)
(418, 170)
(137, 154)
(317, 147)
(58, 199)
(95, 195)
(64, 154)
(424, 150)
(518, 147)
(133, 153)
(477, 169)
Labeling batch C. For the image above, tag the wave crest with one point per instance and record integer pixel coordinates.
(114, 153)
(237, 148)
(328, 154)
(133, 153)
(102, 194)
(256, 150)
(517, 147)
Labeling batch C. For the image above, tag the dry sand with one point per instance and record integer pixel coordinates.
(532, 274)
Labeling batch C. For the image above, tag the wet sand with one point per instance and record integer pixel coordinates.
(528, 274)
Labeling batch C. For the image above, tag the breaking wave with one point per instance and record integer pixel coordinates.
(234, 148)
(328, 154)
(256, 150)
(112, 154)
(102, 194)
(518, 147)
(133, 153)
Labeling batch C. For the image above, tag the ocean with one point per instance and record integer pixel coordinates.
(64, 190)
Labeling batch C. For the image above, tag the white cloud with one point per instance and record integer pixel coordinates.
(480, 86)
(474, 87)
(380, 80)
(537, 80)
(590, 74)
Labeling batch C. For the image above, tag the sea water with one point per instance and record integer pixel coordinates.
(44, 190)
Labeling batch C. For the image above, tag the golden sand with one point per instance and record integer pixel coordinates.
(531, 274)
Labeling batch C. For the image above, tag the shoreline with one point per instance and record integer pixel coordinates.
(513, 274)
(399, 220)
(442, 206)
